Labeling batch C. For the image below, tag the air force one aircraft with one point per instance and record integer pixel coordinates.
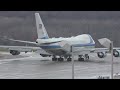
(82, 45)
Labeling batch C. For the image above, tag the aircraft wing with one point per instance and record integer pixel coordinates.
(40, 41)
(20, 48)
(91, 50)
(24, 49)
(28, 42)
(66, 46)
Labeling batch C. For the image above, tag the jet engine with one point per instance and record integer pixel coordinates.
(45, 55)
(101, 54)
(14, 52)
(116, 53)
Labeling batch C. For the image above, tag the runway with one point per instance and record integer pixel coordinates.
(33, 66)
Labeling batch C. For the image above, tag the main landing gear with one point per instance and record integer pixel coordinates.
(69, 59)
(54, 58)
(83, 57)
(60, 59)
(80, 58)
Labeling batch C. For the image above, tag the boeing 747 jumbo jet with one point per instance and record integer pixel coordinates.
(83, 45)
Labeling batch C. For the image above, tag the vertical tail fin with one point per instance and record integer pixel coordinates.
(41, 31)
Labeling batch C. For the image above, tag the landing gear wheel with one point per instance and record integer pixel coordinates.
(54, 59)
(116, 54)
(86, 56)
(69, 59)
(60, 59)
(81, 59)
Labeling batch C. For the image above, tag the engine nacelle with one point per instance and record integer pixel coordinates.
(14, 52)
(45, 55)
(101, 54)
(116, 53)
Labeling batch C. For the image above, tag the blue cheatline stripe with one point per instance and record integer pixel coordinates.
(81, 45)
(50, 46)
(58, 46)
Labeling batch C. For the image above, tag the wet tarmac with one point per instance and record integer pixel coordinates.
(33, 66)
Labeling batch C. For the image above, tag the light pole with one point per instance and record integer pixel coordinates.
(68, 47)
(111, 47)
(72, 62)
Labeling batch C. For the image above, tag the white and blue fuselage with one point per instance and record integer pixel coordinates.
(84, 40)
